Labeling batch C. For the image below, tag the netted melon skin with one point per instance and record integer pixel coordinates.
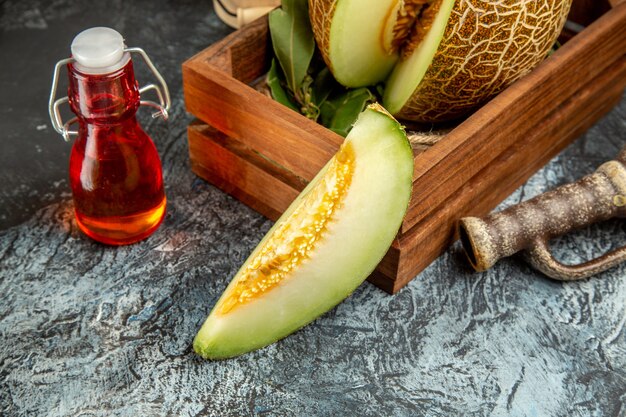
(486, 46)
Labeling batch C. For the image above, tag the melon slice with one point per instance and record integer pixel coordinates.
(410, 71)
(323, 247)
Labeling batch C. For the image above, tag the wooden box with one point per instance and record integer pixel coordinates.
(263, 153)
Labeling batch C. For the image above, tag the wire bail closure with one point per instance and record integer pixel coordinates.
(162, 92)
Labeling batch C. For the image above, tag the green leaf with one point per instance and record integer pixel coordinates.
(274, 82)
(323, 85)
(339, 113)
(292, 39)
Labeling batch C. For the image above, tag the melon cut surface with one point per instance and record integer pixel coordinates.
(323, 247)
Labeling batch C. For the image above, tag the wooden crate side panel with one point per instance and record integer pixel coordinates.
(429, 238)
(216, 90)
(249, 57)
(242, 54)
(240, 172)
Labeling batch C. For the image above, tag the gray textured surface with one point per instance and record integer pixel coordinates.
(93, 330)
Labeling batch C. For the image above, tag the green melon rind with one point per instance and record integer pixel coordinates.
(356, 52)
(408, 74)
(355, 242)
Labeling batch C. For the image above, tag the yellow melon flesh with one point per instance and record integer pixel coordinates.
(296, 238)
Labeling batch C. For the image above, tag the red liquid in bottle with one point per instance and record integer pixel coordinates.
(115, 171)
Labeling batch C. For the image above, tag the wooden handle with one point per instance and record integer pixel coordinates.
(529, 225)
(540, 257)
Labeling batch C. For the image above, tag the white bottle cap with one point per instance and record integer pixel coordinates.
(99, 50)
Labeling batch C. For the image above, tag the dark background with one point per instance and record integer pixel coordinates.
(87, 329)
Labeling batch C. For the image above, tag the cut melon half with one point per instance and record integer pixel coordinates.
(323, 247)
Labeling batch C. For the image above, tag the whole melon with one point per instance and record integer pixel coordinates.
(446, 59)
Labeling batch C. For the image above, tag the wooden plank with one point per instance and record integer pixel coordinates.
(242, 54)
(443, 169)
(241, 172)
(428, 239)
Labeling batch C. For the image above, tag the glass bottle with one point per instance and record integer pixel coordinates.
(115, 170)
